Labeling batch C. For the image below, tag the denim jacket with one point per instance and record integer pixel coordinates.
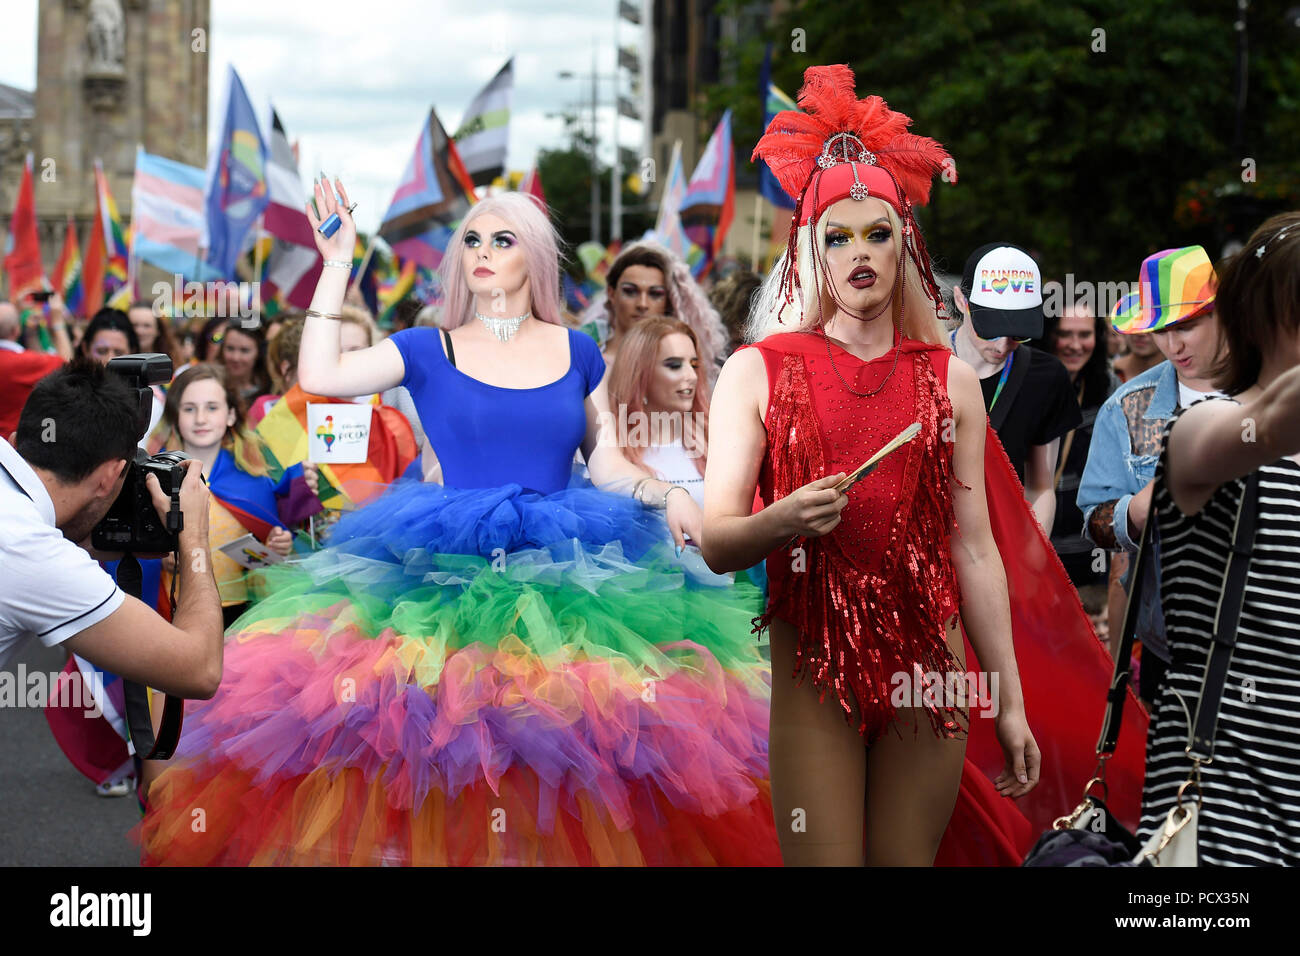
(1123, 455)
(1126, 445)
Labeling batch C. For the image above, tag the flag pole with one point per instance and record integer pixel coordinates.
(131, 264)
(257, 269)
(758, 227)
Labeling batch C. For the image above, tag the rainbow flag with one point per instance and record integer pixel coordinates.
(236, 191)
(393, 287)
(117, 241)
(392, 450)
(104, 272)
(67, 273)
(23, 248)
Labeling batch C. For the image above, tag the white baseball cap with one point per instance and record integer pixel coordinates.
(1004, 287)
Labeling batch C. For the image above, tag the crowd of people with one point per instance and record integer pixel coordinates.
(522, 630)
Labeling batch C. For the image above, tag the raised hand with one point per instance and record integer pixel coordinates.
(343, 242)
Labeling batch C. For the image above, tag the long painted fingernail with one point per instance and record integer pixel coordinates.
(679, 550)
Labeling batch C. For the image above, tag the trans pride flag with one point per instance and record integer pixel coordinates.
(668, 229)
(710, 202)
(167, 210)
(433, 196)
(236, 191)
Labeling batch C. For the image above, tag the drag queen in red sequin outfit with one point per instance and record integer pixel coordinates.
(865, 586)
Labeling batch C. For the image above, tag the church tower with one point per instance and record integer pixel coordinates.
(111, 74)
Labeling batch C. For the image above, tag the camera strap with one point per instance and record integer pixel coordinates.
(139, 719)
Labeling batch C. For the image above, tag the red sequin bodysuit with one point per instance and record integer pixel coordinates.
(870, 600)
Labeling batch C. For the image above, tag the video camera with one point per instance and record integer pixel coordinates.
(132, 523)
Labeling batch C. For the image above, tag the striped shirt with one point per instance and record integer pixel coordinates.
(1250, 815)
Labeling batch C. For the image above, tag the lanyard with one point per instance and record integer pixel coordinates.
(1006, 371)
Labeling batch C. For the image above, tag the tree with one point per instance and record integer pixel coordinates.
(566, 177)
(1074, 126)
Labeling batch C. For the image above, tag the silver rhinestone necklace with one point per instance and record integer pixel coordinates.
(504, 329)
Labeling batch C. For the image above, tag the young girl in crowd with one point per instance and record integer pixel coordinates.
(206, 422)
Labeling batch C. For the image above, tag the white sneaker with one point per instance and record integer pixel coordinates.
(116, 788)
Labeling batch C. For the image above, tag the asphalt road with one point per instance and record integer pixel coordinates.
(49, 813)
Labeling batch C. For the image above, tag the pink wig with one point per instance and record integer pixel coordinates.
(634, 371)
(541, 252)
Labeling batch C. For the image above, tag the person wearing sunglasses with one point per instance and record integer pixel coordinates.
(1027, 392)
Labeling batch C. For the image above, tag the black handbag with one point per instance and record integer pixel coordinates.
(1090, 835)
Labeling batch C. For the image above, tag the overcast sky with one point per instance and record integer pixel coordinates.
(353, 81)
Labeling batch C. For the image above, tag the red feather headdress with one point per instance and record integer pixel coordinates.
(842, 147)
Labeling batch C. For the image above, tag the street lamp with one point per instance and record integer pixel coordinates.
(595, 162)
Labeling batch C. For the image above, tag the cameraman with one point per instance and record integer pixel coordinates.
(75, 437)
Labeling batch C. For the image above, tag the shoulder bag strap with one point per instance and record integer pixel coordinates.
(1118, 692)
(1200, 740)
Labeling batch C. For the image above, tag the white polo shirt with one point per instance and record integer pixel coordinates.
(50, 589)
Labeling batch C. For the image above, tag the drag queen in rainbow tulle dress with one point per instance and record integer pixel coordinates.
(510, 668)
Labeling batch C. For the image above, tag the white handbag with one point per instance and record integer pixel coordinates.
(1174, 844)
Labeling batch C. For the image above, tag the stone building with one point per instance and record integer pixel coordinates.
(110, 75)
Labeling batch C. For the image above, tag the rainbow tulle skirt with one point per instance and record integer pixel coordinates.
(481, 677)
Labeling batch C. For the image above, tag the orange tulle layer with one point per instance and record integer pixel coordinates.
(326, 819)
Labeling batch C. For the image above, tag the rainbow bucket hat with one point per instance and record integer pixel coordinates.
(1173, 285)
(1125, 313)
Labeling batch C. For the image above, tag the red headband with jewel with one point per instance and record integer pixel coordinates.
(840, 147)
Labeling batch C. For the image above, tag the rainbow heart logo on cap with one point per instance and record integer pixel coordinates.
(1000, 284)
